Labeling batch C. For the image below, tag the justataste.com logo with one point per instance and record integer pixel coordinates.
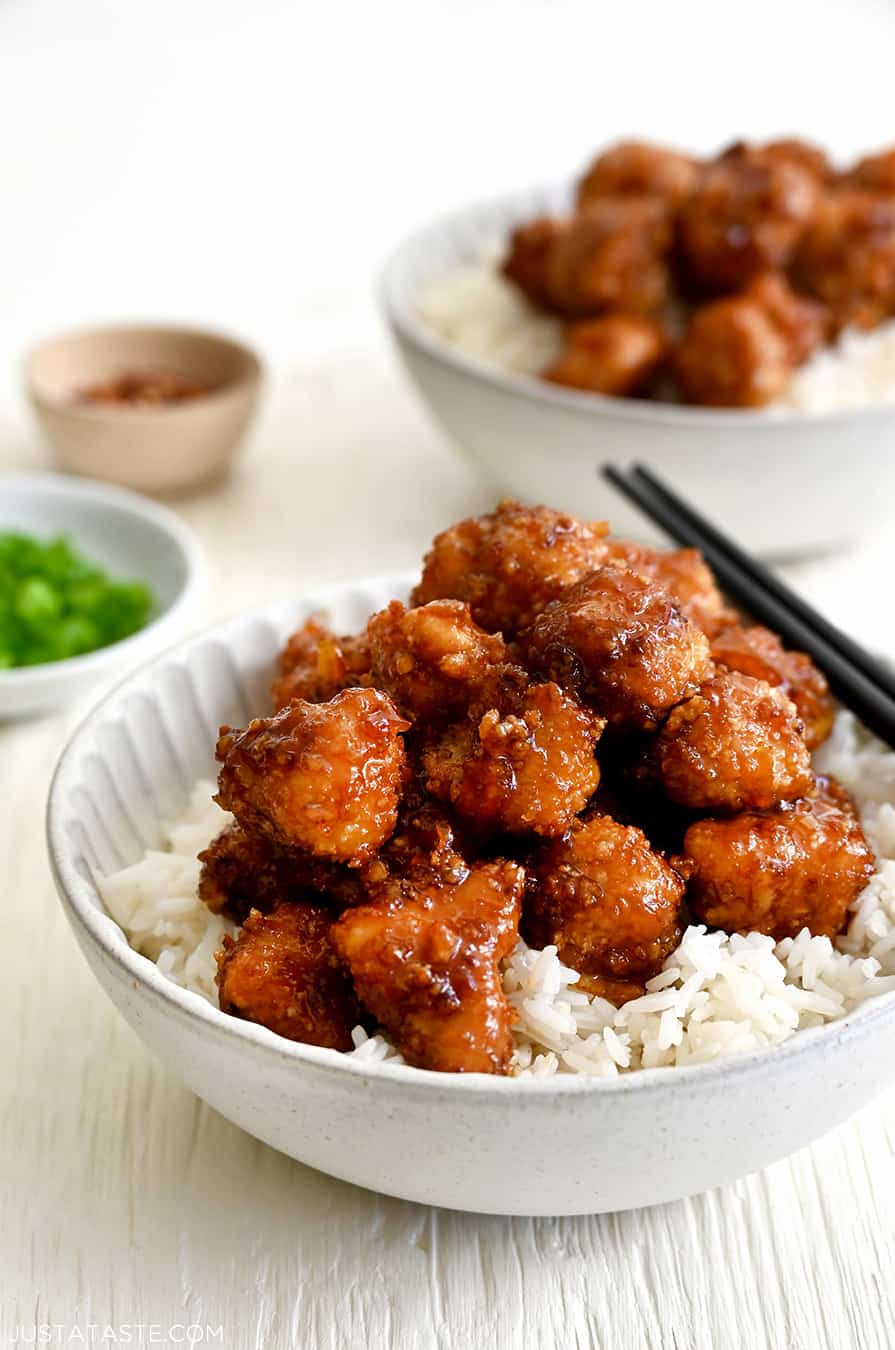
(126, 1333)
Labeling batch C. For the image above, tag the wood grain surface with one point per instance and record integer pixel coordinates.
(126, 1203)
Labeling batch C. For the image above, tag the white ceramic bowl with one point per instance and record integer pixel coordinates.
(123, 532)
(783, 483)
(564, 1145)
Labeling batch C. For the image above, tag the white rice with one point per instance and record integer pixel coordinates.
(156, 900)
(717, 994)
(483, 315)
(857, 371)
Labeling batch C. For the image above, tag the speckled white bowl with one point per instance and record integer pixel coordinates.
(134, 539)
(783, 484)
(565, 1145)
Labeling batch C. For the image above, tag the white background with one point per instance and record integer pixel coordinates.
(248, 166)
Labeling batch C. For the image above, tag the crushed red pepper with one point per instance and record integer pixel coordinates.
(143, 388)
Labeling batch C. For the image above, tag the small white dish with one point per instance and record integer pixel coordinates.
(133, 539)
(782, 483)
(562, 1145)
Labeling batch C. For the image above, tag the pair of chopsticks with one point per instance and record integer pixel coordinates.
(856, 677)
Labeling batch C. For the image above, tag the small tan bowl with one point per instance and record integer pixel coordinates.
(157, 448)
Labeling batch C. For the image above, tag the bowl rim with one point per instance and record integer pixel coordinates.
(395, 300)
(244, 380)
(117, 501)
(99, 929)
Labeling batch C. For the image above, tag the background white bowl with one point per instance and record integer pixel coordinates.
(782, 483)
(566, 1145)
(135, 540)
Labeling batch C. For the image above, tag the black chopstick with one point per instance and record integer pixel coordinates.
(854, 676)
(858, 655)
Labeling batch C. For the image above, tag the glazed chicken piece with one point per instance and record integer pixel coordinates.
(740, 352)
(758, 652)
(875, 173)
(639, 169)
(528, 766)
(425, 850)
(607, 901)
(613, 355)
(777, 872)
(427, 968)
(507, 565)
(434, 660)
(746, 215)
(735, 746)
(316, 665)
(325, 777)
(802, 323)
(732, 355)
(526, 262)
(847, 257)
(684, 574)
(609, 258)
(788, 150)
(623, 644)
(282, 972)
(243, 871)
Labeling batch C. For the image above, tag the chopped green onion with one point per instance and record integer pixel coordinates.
(54, 603)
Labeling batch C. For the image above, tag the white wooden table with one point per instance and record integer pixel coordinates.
(126, 1202)
(248, 165)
